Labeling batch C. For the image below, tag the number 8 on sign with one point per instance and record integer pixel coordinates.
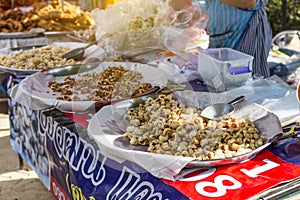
(218, 184)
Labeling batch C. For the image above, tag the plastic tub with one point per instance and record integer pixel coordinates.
(224, 68)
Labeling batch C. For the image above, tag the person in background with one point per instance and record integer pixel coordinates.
(238, 24)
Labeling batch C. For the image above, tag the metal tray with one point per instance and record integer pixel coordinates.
(25, 72)
(55, 33)
(35, 89)
(19, 35)
(76, 39)
(107, 128)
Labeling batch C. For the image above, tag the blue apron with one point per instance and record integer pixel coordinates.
(245, 30)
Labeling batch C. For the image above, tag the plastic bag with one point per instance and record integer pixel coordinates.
(187, 31)
(134, 27)
(127, 15)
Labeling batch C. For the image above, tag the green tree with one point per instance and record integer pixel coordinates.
(283, 15)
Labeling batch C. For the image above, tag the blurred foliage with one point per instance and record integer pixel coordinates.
(276, 17)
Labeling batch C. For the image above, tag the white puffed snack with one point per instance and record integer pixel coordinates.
(167, 127)
(44, 58)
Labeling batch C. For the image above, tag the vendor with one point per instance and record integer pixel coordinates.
(238, 24)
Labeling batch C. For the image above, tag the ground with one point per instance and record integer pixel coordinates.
(16, 183)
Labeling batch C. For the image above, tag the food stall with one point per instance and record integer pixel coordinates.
(126, 120)
(33, 23)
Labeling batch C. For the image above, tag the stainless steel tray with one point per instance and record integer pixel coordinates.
(35, 89)
(19, 35)
(107, 128)
(55, 33)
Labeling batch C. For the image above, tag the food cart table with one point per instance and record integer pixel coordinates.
(57, 147)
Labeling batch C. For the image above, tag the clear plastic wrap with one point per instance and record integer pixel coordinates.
(133, 42)
(187, 30)
(134, 27)
(120, 17)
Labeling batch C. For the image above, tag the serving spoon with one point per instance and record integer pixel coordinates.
(220, 109)
(77, 54)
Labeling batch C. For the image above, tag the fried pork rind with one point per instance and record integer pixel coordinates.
(48, 17)
(87, 35)
(113, 83)
(167, 127)
(53, 18)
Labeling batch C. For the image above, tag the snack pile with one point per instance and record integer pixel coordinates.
(58, 17)
(52, 17)
(113, 83)
(86, 35)
(44, 58)
(129, 15)
(168, 127)
(11, 20)
(138, 25)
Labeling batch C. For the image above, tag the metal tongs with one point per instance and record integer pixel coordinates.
(279, 191)
(285, 188)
